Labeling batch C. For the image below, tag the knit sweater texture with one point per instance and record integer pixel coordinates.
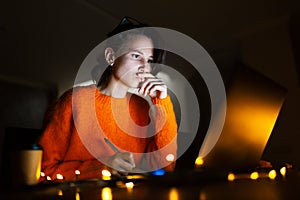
(76, 125)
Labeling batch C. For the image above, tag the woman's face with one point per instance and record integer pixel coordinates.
(133, 60)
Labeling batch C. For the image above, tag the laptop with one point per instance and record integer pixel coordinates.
(253, 105)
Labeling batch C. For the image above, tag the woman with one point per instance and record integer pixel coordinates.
(103, 126)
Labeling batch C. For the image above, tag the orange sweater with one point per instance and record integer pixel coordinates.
(76, 126)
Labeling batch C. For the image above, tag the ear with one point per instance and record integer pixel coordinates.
(109, 54)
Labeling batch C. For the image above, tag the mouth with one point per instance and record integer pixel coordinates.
(141, 76)
(140, 79)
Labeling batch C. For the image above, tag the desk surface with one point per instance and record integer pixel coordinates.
(164, 188)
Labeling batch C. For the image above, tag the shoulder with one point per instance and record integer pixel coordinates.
(63, 107)
(79, 92)
(84, 90)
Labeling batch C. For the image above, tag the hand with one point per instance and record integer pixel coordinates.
(152, 86)
(123, 162)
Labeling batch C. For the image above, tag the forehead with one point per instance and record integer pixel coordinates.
(136, 42)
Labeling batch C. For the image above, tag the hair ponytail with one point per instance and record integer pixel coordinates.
(105, 77)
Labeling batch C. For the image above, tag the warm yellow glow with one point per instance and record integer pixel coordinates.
(244, 116)
(42, 174)
(230, 177)
(106, 178)
(38, 171)
(106, 194)
(59, 177)
(202, 196)
(60, 192)
(199, 161)
(272, 174)
(77, 196)
(48, 178)
(132, 177)
(77, 172)
(254, 175)
(129, 186)
(120, 184)
(173, 194)
(283, 171)
(170, 157)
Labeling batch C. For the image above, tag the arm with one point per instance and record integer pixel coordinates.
(165, 140)
(56, 141)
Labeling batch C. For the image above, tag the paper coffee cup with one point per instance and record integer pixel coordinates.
(26, 166)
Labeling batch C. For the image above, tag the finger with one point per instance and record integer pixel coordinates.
(119, 174)
(158, 91)
(160, 88)
(123, 165)
(145, 74)
(128, 157)
(149, 83)
(154, 88)
(126, 161)
(144, 84)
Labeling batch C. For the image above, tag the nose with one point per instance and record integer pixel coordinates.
(145, 67)
(148, 67)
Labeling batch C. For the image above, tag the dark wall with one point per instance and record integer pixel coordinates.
(294, 28)
(22, 105)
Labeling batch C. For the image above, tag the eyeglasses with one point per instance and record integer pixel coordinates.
(125, 24)
(132, 21)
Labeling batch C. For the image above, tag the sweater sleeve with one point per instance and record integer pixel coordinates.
(58, 134)
(165, 139)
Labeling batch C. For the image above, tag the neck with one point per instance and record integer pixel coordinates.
(115, 89)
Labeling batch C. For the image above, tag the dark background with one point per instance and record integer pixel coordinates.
(43, 43)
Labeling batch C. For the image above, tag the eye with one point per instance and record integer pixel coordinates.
(150, 61)
(136, 56)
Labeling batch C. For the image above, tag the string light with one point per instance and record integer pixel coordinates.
(272, 174)
(106, 175)
(129, 186)
(231, 177)
(254, 175)
(42, 174)
(77, 173)
(199, 162)
(59, 177)
(170, 157)
(283, 171)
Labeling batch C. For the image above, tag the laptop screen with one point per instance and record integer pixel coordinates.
(253, 105)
